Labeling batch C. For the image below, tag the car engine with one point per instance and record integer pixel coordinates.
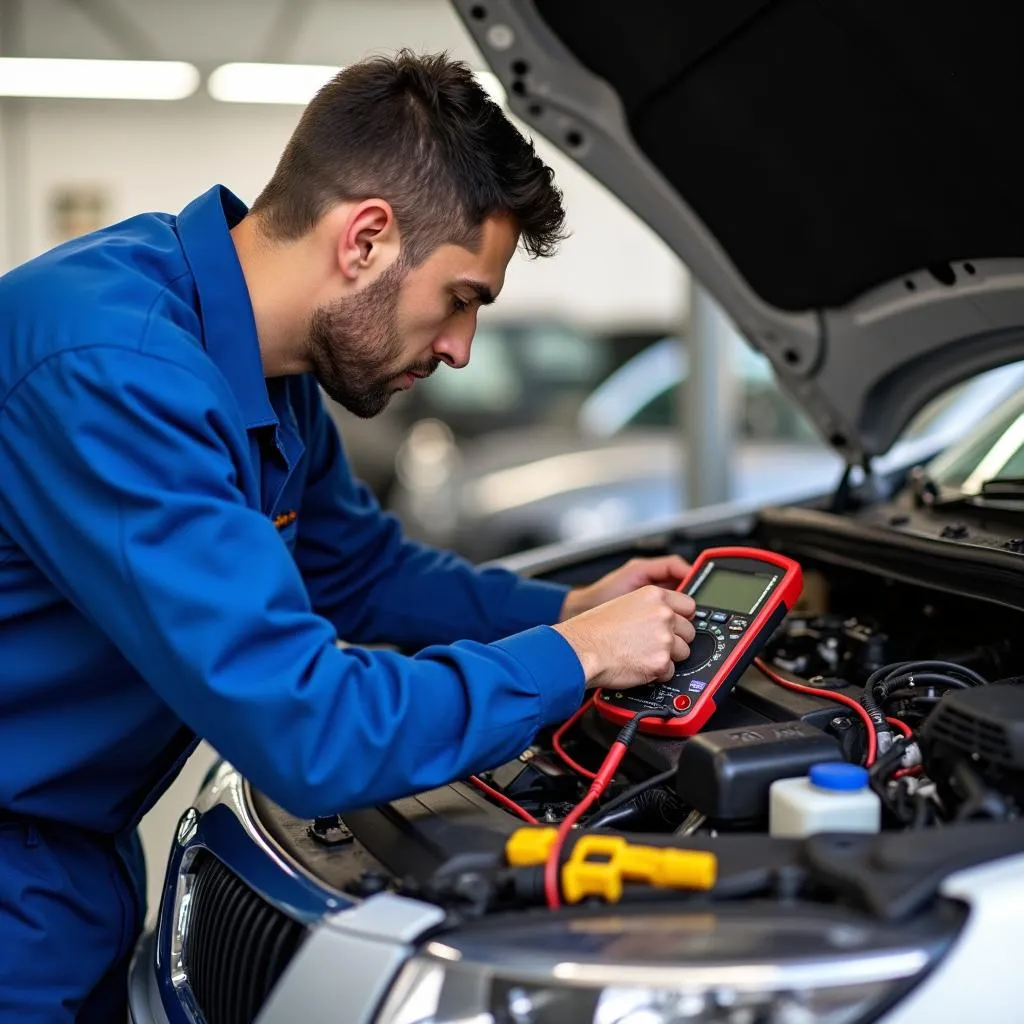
(925, 651)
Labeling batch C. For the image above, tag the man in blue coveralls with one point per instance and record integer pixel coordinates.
(182, 542)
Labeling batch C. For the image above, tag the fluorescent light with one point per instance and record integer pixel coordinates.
(269, 83)
(62, 78)
(294, 83)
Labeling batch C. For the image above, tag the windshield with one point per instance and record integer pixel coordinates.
(650, 391)
(994, 450)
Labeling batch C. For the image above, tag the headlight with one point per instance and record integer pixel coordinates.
(773, 968)
(428, 456)
(426, 467)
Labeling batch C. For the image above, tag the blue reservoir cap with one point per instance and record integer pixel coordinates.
(838, 775)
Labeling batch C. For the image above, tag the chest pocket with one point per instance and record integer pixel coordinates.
(283, 466)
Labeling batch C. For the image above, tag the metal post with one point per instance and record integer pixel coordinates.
(708, 416)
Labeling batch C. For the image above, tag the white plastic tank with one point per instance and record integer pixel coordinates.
(834, 797)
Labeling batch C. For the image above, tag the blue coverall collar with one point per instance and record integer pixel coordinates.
(229, 328)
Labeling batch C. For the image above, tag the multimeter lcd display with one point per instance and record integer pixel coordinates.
(732, 591)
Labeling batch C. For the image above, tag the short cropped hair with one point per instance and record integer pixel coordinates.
(421, 133)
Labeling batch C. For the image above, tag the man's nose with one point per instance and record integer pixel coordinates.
(453, 347)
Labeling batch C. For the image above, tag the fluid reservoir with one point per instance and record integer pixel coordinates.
(833, 797)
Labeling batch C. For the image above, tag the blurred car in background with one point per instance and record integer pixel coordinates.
(522, 374)
(620, 464)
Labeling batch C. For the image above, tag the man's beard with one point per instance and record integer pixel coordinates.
(355, 346)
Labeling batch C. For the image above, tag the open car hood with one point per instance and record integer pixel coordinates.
(842, 177)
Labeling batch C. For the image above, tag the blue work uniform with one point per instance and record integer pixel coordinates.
(181, 544)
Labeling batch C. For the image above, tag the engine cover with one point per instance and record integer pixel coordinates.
(754, 701)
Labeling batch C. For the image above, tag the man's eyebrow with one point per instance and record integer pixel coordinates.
(483, 292)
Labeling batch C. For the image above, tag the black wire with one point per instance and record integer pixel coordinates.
(887, 682)
(626, 735)
(948, 668)
(634, 791)
(916, 681)
(913, 695)
(923, 811)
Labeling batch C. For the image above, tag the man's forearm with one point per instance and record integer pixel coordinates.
(429, 597)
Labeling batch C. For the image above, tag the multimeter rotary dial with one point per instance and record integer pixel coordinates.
(707, 647)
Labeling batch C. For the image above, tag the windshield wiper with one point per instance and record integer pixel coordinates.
(1011, 487)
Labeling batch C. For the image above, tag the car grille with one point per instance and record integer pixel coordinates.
(236, 945)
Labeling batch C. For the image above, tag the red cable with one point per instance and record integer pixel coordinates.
(615, 755)
(902, 726)
(909, 734)
(839, 698)
(556, 740)
(605, 773)
(551, 866)
(506, 802)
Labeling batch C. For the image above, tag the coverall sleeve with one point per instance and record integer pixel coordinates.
(119, 478)
(376, 586)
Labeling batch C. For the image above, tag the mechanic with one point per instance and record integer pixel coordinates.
(182, 542)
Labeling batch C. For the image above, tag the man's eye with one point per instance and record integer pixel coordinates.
(459, 305)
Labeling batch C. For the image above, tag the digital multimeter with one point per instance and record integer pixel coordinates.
(742, 596)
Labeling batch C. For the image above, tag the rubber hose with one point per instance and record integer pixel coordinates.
(659, 801)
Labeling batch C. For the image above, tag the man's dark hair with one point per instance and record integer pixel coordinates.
(421, 133)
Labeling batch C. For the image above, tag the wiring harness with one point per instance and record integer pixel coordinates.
(891, 754)
(917, 685)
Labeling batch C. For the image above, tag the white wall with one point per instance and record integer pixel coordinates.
(156, 156)
(613, 270)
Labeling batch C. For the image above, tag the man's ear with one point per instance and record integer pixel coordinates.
(367, 236)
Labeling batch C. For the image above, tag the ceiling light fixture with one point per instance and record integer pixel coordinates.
(293, 83)
(64, 78)
(268, 83)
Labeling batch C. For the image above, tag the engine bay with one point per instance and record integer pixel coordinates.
(916, 679)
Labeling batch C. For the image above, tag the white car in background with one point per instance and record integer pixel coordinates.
(622, 463)
(526, 373)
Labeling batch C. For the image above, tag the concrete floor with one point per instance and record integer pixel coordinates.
(158, 827)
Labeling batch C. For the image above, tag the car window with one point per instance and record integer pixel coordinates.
(1013, 467)
(763, 410)
(562, 356)
(659, 411)
(933, 411)
(994, 449)
(491, 380)
(531, 370)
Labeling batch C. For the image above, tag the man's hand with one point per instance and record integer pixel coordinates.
(636, 573)
(632, 639)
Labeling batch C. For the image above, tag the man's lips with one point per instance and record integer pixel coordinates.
(407, 379)
(419, 374)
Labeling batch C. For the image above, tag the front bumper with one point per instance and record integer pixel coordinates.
(145, 1004)
(353, 951)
